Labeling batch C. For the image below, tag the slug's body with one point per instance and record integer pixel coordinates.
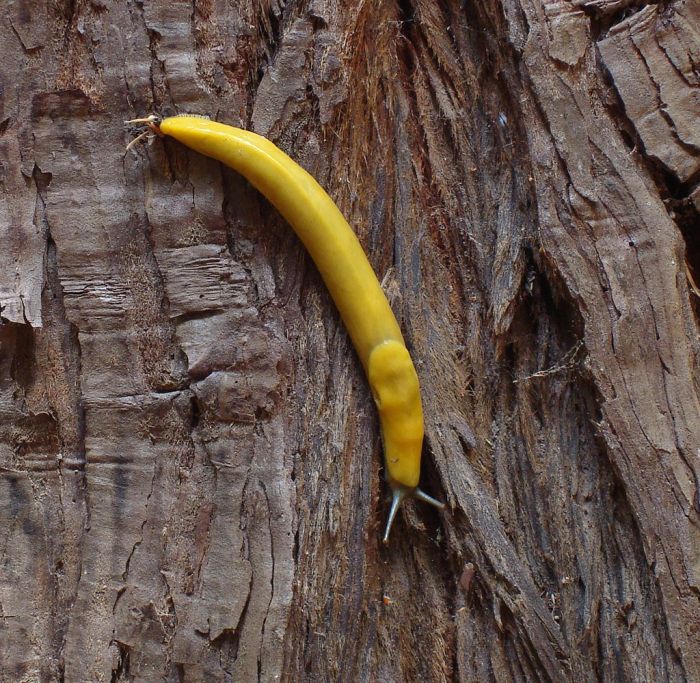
(340, 259)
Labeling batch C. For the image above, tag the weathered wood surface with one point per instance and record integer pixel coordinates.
(189, 457)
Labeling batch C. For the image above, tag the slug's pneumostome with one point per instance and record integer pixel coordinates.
(340, 259)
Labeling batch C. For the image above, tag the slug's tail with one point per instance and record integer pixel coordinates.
(400, 494)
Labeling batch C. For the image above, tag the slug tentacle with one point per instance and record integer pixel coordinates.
(398, 497)
(400, 493)
(422, 495)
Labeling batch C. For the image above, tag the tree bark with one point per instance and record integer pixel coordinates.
(190, 466)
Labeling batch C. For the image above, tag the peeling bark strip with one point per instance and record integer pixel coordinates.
(652, 57)
(189, 464)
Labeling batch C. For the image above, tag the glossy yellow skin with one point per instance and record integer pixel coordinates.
(342, 262)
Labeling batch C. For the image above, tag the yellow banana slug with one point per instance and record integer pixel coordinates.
(344, 267)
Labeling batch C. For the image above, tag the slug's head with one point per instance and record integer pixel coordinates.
(152, 124)
(396, 392)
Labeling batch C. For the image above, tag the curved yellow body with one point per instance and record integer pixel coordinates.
(340, 259)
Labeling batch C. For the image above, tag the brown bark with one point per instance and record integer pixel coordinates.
(189, 457)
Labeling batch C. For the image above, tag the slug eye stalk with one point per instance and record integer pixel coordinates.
(152, 124)
(399, 495)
